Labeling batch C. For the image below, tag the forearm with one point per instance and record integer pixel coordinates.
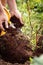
(1, 7)
(12, 5)
(4, 2)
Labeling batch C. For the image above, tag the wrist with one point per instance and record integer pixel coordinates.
(12, 12)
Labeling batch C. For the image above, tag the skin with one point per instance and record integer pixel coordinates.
(4, 2)
(13, 11)
(3, 17)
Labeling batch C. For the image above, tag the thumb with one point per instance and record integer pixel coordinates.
(6, 24)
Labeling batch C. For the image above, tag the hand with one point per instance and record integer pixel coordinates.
(3, 19)
(17, 14)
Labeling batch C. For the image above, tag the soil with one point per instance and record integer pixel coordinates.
(17, 23)
(39, 46)
(15, 48)
(2, 62)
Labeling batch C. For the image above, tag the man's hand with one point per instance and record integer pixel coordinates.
(17, 14)
(3, 19)
(13, 9)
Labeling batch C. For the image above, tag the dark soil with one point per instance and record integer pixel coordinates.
(39, 46)
(16, 21)
(2, 62)
(15, 48)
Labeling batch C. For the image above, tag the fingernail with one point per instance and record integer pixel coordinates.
(6, 26)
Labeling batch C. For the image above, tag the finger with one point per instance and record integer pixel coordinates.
(1, 27)
(21, 21)
(6, 24)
